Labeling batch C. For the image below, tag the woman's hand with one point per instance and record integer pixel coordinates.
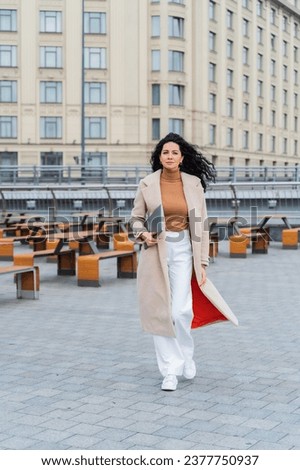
(149, 238)
(203, 276)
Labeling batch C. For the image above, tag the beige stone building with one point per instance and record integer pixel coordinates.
(223, 73)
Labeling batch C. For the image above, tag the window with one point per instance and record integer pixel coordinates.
(51, 159)
(212, 134)
(284, 23)
(155, 60)
(273, 42)
(8, 56)
(177, 1)
(229, 137)
(51, 92)
(259, 142)
(8, 127)
(295, 147)
(296, 100)
(260, 35)
(212, 10)
(284, 145)
(273, 16)
(296, 53)
(51, 127)
(155, 26)
(95, 92)
(245, 3)
(260, 62)
(94, 22)
(273, 67)
(295, 124)
(176, 27)
(50, 22)
(260, 88)
(285, 48)
(229, 19)
(246, 83)
(285, 97)
(8, 91)
(229, 107)
(229, 77)
(95, 57)
(155, 129)
(212, 72)
(212, 41)
(176, 95)
(295, 77)
(273, 118)
(285, 72)
(95, 159)
(155, 94)
(8, 20)
(245, 27)
(229, 49)
(95, 127)
(284, 121)
(50, 57)
(245, 139)
(296, 30)
(212, 102)
(176, 126)
(273, 143)
(260, 115)
(245, 55)
(259, 8)
(246, 111)
(176, 61)
(273, 92)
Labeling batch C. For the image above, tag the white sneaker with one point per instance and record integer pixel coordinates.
(169, 383)
(189, 370)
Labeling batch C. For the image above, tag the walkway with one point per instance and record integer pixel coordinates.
(78, 373)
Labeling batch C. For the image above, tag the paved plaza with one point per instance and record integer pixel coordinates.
(77, 372)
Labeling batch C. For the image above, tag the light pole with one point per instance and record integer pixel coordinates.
(82, 90)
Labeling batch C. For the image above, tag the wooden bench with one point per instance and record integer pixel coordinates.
(213, 245)
(290, 238)
(7, 244)
(88, 267)
(27, 280)
(66, 259)
(238, 244)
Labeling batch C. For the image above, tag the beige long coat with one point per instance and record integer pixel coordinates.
(152, 277)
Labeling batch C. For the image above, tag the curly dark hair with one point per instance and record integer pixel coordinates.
(194, 163)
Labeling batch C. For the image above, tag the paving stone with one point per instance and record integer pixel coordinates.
(73, 379)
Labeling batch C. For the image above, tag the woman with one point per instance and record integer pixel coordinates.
(165, 268)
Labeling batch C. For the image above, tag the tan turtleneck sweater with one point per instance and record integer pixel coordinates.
(173, 201)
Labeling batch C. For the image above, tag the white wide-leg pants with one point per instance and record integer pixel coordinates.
(172, 353)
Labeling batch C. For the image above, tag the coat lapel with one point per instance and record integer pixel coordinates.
(151, 192)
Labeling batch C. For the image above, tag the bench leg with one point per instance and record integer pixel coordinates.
(66, 263)
(127, 266)
(28, 284)
(88, 272)
(102, 241)
(260, 245)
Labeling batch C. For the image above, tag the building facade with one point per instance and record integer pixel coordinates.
(223, 73)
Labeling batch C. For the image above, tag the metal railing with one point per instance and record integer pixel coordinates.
(129, 174)
(226, 198)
